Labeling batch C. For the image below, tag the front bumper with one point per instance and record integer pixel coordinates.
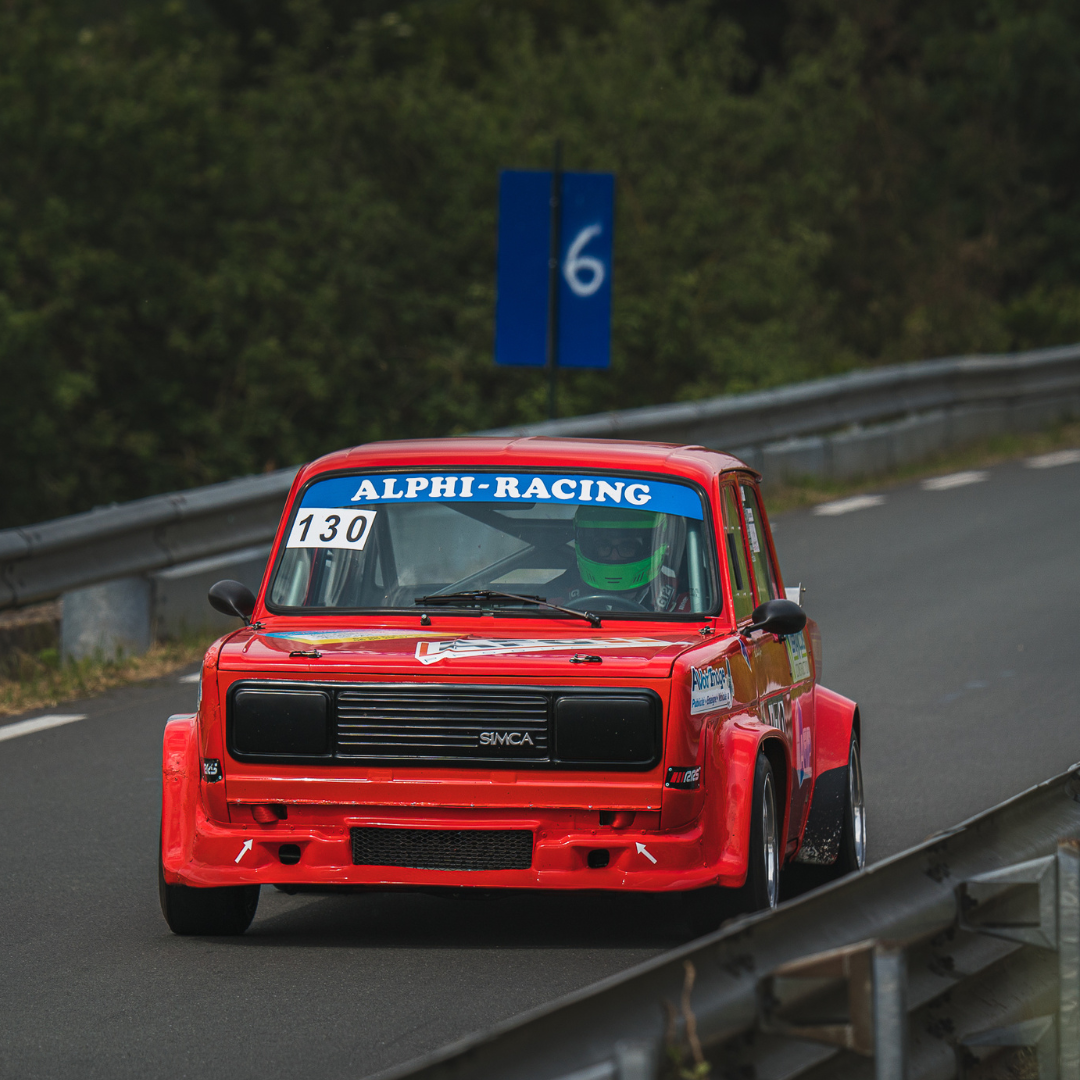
(638, 860)
(199, 848)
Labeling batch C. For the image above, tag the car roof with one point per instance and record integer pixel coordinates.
(534, 451)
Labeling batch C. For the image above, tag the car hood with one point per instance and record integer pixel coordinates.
(446, 654)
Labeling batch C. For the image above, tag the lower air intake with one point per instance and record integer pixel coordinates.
(443, 849)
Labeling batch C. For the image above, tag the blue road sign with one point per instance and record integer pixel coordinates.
(521, 286)
(521, 306)
(588, 204)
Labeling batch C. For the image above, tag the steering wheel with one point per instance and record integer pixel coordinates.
(604, 602)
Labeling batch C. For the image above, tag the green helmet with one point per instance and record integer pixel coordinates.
(614, 547)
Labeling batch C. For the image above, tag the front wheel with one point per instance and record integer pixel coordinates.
(215, 912)
(762, 888)
(705, 909)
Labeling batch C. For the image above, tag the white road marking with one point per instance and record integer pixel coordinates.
(1052, 460)
(954, 480)
(39, 723)
(195, 676)
(245, 849)
(846, 506)
(642, 850)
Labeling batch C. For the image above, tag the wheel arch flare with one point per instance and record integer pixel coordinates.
(836, 717)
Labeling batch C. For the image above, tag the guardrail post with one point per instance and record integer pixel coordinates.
(890, 1012)
(1068, 860)
(106, 620)
(873, 977)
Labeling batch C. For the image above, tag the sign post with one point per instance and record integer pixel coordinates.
(553, 295)
(553, 284)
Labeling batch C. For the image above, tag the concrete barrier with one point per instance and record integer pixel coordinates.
(124, 617)
(881, 448)
(180, 607)
(109, 620)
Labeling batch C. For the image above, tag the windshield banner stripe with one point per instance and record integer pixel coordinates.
(630, 492)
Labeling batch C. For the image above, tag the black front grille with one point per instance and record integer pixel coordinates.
(439, 724)
(443, 849)
(435, 723)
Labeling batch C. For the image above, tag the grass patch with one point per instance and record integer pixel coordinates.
(810, 491)
(41, 679)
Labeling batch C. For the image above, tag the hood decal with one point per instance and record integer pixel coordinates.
(344, 637)
(431, 652)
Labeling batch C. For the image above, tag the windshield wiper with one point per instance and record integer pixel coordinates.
(478, 595)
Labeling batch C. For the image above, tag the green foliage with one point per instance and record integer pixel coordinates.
(237, 234)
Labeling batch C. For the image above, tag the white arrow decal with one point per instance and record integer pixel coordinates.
(247, 847)
(641, 850)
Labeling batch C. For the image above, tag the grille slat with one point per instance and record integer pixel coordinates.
(464, 699)
(442, 714)
(532, 726)
(397, 740)
(433, 723)
(443, 849)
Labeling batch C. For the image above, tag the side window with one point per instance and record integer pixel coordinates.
(735, 543)
(768, 588)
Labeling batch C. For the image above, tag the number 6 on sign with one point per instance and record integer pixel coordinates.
(575, 263)
(331, 529)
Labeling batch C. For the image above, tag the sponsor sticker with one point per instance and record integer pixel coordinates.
(321, 528)
(751, 530)
(432, 652)
(685, 779)
(710, 688)
(631, 492)
(804, 744)
(775, 714)
(797, 657)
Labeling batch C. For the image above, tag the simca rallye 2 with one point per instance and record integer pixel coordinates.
(511, 663)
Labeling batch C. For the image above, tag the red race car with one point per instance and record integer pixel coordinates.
(512, 663)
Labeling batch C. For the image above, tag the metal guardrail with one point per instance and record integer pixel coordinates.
(858, 397)
(41, 561)
(38, 562)
(945, 960)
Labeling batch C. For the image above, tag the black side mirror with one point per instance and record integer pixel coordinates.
(232, 598)
(783, 617)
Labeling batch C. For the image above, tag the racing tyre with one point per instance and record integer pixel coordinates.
(207, 912)
(852, 855)
(762, 888)
(705, 909)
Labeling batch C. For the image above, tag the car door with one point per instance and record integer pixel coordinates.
(782, 667)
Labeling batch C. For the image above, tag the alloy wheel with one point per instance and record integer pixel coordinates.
(770, 843)
(858, 805)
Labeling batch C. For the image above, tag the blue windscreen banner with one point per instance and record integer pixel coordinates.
(586, 229)
(511, 490)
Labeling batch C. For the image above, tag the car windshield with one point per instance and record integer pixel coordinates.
(617, 544)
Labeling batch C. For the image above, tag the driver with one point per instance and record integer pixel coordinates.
(631, 555)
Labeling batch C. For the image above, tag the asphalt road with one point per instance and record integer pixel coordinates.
(951, 615)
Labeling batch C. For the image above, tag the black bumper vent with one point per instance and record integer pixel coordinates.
(443, 849)
(436, 723)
